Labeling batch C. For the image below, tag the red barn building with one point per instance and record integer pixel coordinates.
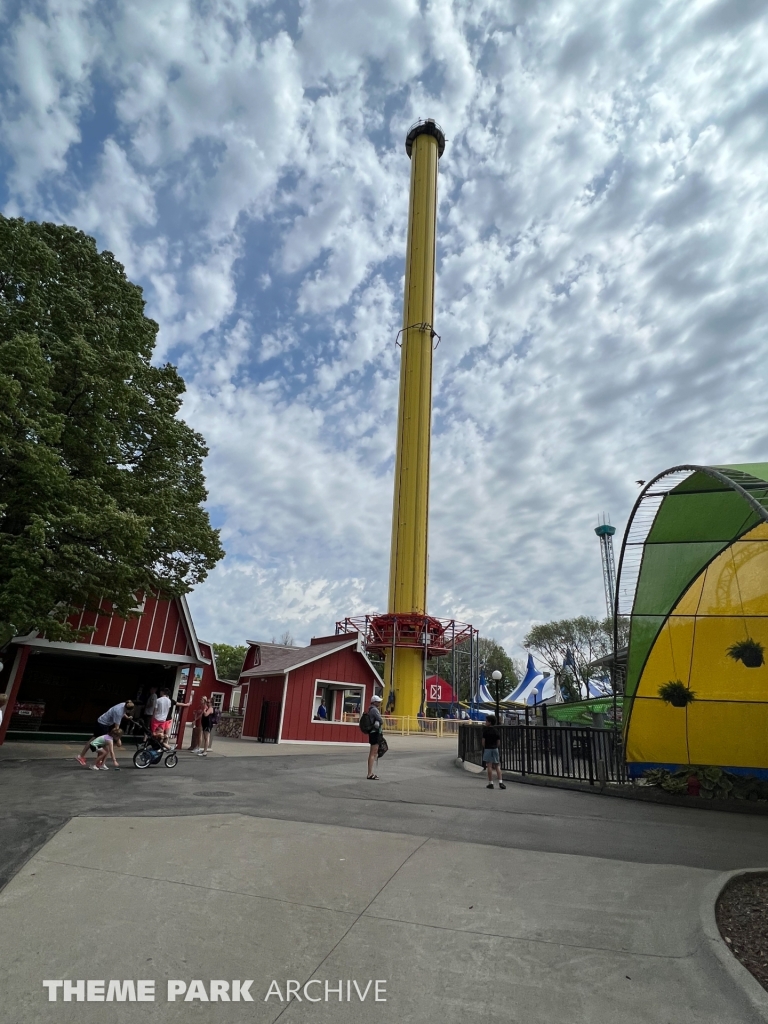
(439, 693)
(59, 688)
(283, 688)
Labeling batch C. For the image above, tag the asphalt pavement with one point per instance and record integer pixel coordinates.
(420, 793)
(527, 904)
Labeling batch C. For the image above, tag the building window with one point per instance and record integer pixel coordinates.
(352, 704)
(217, 699)
(337, 702)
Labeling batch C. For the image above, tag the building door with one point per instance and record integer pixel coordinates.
(269, 722)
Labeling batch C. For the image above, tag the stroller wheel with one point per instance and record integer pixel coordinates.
(142, 758)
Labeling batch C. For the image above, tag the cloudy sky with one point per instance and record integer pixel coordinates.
(602, 274)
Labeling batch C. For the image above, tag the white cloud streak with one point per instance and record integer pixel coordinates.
(602, 268)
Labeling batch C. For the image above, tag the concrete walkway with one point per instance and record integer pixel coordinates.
(456, 930)
(467, 903)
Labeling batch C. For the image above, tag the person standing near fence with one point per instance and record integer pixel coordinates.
(375, 735)
(197, 729)
(491, 756)
(206, 722)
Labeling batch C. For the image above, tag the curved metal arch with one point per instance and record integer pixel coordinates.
(735, 479)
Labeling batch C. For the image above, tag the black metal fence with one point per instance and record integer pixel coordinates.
(564, 752)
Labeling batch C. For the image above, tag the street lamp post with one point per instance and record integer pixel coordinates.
(496, 677)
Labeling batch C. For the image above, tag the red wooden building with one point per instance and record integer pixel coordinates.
(439, 691)
(59, 688)
(283, 689)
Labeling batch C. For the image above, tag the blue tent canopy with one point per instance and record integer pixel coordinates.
(534, 687)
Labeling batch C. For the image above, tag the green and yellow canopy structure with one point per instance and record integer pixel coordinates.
(693, 575)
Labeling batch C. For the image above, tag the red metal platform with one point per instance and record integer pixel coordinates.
(396, 630)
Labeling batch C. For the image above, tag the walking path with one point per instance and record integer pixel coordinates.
(523, 906)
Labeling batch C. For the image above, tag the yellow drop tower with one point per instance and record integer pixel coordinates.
(404, 665)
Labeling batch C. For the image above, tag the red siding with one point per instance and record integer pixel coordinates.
(346, 666)
(259, 690)
(209, 683)
(114, 631)
(20, 668)
(159, 628)
(129, 638)
(90, 619)
(181, 642)
(250, 657)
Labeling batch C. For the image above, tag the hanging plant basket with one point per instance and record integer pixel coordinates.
(676, 693)
(749, 652)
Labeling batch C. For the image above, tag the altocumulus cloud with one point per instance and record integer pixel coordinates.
(603, 266)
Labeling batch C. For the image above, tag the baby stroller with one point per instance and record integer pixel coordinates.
(151, 750)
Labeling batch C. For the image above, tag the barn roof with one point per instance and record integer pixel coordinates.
(276, 659)
(161, 630)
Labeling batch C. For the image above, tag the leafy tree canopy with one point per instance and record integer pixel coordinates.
(575, 643)
(229, 660)
(493, 658)
(101, 484)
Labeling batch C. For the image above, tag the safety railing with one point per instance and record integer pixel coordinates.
(565, 752)
(412, 725)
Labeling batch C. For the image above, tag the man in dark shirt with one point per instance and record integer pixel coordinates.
(491, 756)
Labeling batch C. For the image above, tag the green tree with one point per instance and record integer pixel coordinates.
(101, 484)
(493, 658)
(575, 644)
(229, 660)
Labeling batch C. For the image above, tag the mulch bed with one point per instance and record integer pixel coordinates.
(742, 916)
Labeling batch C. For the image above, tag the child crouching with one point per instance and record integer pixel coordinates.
(103, 747)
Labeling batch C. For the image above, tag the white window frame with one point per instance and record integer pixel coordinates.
(336, 684)
(218, 705)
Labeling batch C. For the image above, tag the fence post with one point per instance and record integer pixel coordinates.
(524, 743)
(589, 749)
(567, 748)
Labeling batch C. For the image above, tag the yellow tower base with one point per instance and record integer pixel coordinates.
(409, 679)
